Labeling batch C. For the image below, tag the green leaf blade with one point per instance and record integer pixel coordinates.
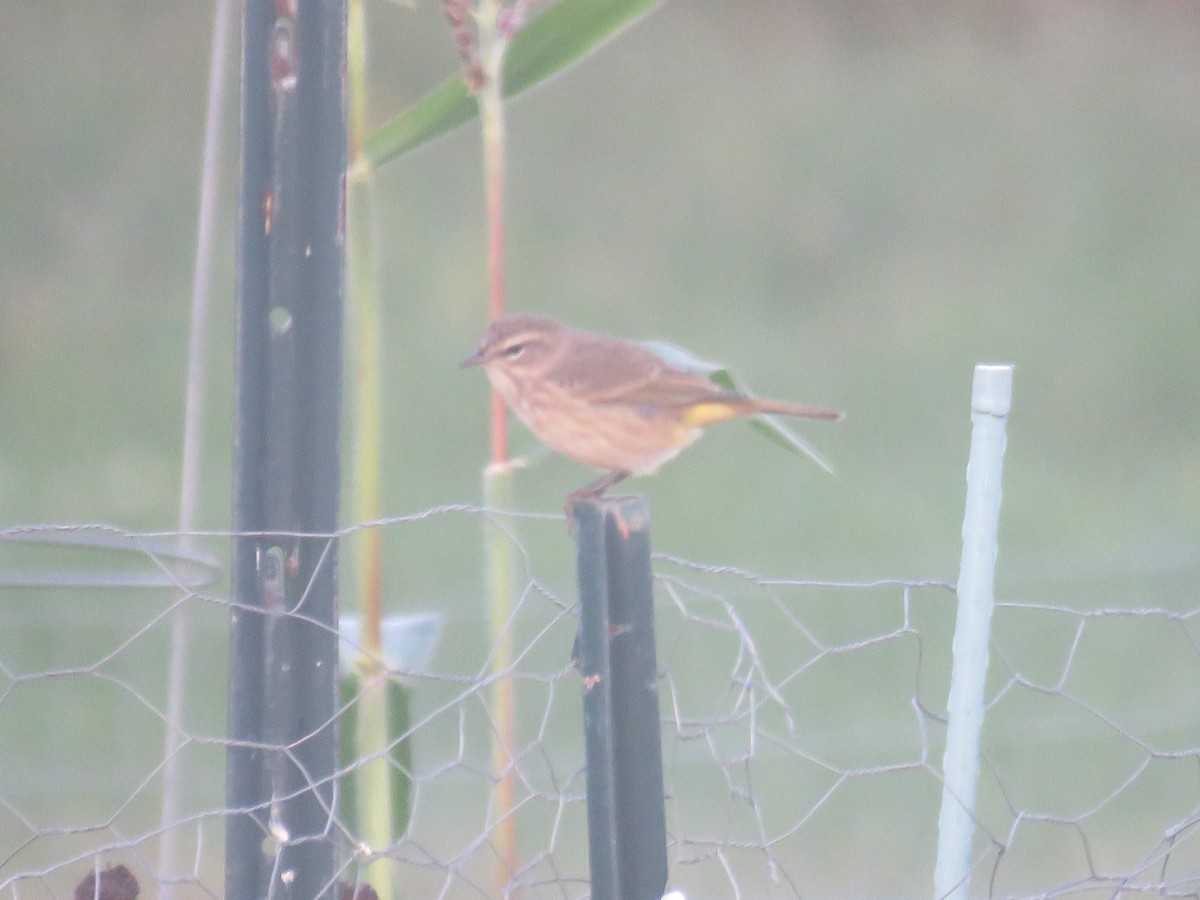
(563, 35)
(559, 37)
(769, 427)
(433, 115)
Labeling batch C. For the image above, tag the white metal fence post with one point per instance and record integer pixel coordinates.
(991, 397)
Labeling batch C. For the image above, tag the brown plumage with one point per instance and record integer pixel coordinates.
(605, 402)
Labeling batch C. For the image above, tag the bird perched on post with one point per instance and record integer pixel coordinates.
(604, 402)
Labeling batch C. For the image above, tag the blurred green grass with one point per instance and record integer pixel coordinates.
(848, 206)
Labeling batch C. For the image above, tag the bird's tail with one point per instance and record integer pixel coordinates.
(733, 406)
(756, 405)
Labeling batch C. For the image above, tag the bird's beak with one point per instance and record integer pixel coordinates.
(474, 359)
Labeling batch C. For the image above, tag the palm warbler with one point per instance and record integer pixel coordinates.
(605, 402)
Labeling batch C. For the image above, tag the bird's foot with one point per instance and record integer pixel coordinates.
(593, 490)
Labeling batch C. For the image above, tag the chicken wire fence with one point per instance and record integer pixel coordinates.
(803, 729)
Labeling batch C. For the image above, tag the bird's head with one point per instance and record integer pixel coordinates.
(517, 345)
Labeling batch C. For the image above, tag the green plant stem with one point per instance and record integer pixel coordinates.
(498, 475)
(497, 493)
(368, 434)
(491, 115)
(371, 733)
(373, 776)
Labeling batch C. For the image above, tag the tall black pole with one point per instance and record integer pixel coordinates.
(283, 645)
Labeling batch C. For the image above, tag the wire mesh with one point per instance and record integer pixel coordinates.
(803, 727)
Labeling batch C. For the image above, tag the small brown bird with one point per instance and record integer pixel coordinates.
(605, 402)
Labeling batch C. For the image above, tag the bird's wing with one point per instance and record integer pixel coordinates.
(673, 387)
(605, 370)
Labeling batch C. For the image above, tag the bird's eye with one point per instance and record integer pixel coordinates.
(514, 350)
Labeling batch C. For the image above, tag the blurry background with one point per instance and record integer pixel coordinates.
(849, 205)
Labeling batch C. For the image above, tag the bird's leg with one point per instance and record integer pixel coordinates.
(591, 491)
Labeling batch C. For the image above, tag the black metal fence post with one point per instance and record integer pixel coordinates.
(616, 658)
(283, 640)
